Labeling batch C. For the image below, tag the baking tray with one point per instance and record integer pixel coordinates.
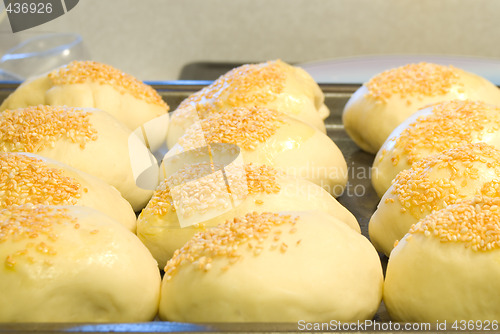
(359, 197)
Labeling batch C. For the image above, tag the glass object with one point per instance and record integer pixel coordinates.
(40, 54)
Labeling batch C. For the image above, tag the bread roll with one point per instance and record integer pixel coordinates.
(431, 184)
(268, 137)
(73, 264)
(209, 202)
(29, 179)
(274, 267)
(89, 84)
(274, 84)
(446, 267)
(432, 130)
(384, 102)
(87, 139)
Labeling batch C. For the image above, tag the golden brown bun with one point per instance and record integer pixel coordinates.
(446, 268)
(89, 84)
(30, 179)
(268, 137)
(431, 184)
(73, 264)
(432, 130)
(273, 267)
(381, 104)
(87, 139)
(209, 204)
(274, 84)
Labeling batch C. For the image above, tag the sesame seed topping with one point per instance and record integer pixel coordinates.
(206, 193)
(34, 128)
(30, 222)
(26, 179)
(225, 240)
(418, 192)
(422, 79)
(245, 127)
(251, 84)
(78, 72)
(451, 124)
(474, 222)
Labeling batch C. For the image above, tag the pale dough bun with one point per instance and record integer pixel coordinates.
(30, 179)
(89, 84)
(274, 84)
(73, 264)
(446, 268)
(274, 267)
(433, 130)
(431, 184)
(257, 189)
(87, 139)
(384, 102)
(268, 137)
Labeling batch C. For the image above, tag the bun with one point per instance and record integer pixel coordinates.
(73, 264)
(169, 221)
(29, 179)
(432, 130)
(268, 137)
(89, 84)
(431, 184)
(274, 85)
(87, 139)
(384, 102)
(272, 267)
(446, 267)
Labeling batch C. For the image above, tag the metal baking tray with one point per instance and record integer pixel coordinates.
(359, 197)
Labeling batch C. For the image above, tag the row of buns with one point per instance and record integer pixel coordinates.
(437, 172)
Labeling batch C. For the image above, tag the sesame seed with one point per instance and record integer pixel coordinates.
(422, 79)
(246, 127)
(78, 72)
(251, 84)
(223, 241)
(417, 192)
(26, 179)
(206, 192)
(30, 222)
(451, 124)
(475, 223)
(34, 128)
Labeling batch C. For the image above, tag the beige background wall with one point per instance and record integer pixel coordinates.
(153, 39)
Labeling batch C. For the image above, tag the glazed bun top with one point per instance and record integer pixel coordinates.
(266, 136)
(35, 128)
(26, 179)
(432, 130)
(89, 84)
(474, 223)
(87, 139)
(411, 80)
(80, 72)
(245, 127)
(274, 84)
(387, 99)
